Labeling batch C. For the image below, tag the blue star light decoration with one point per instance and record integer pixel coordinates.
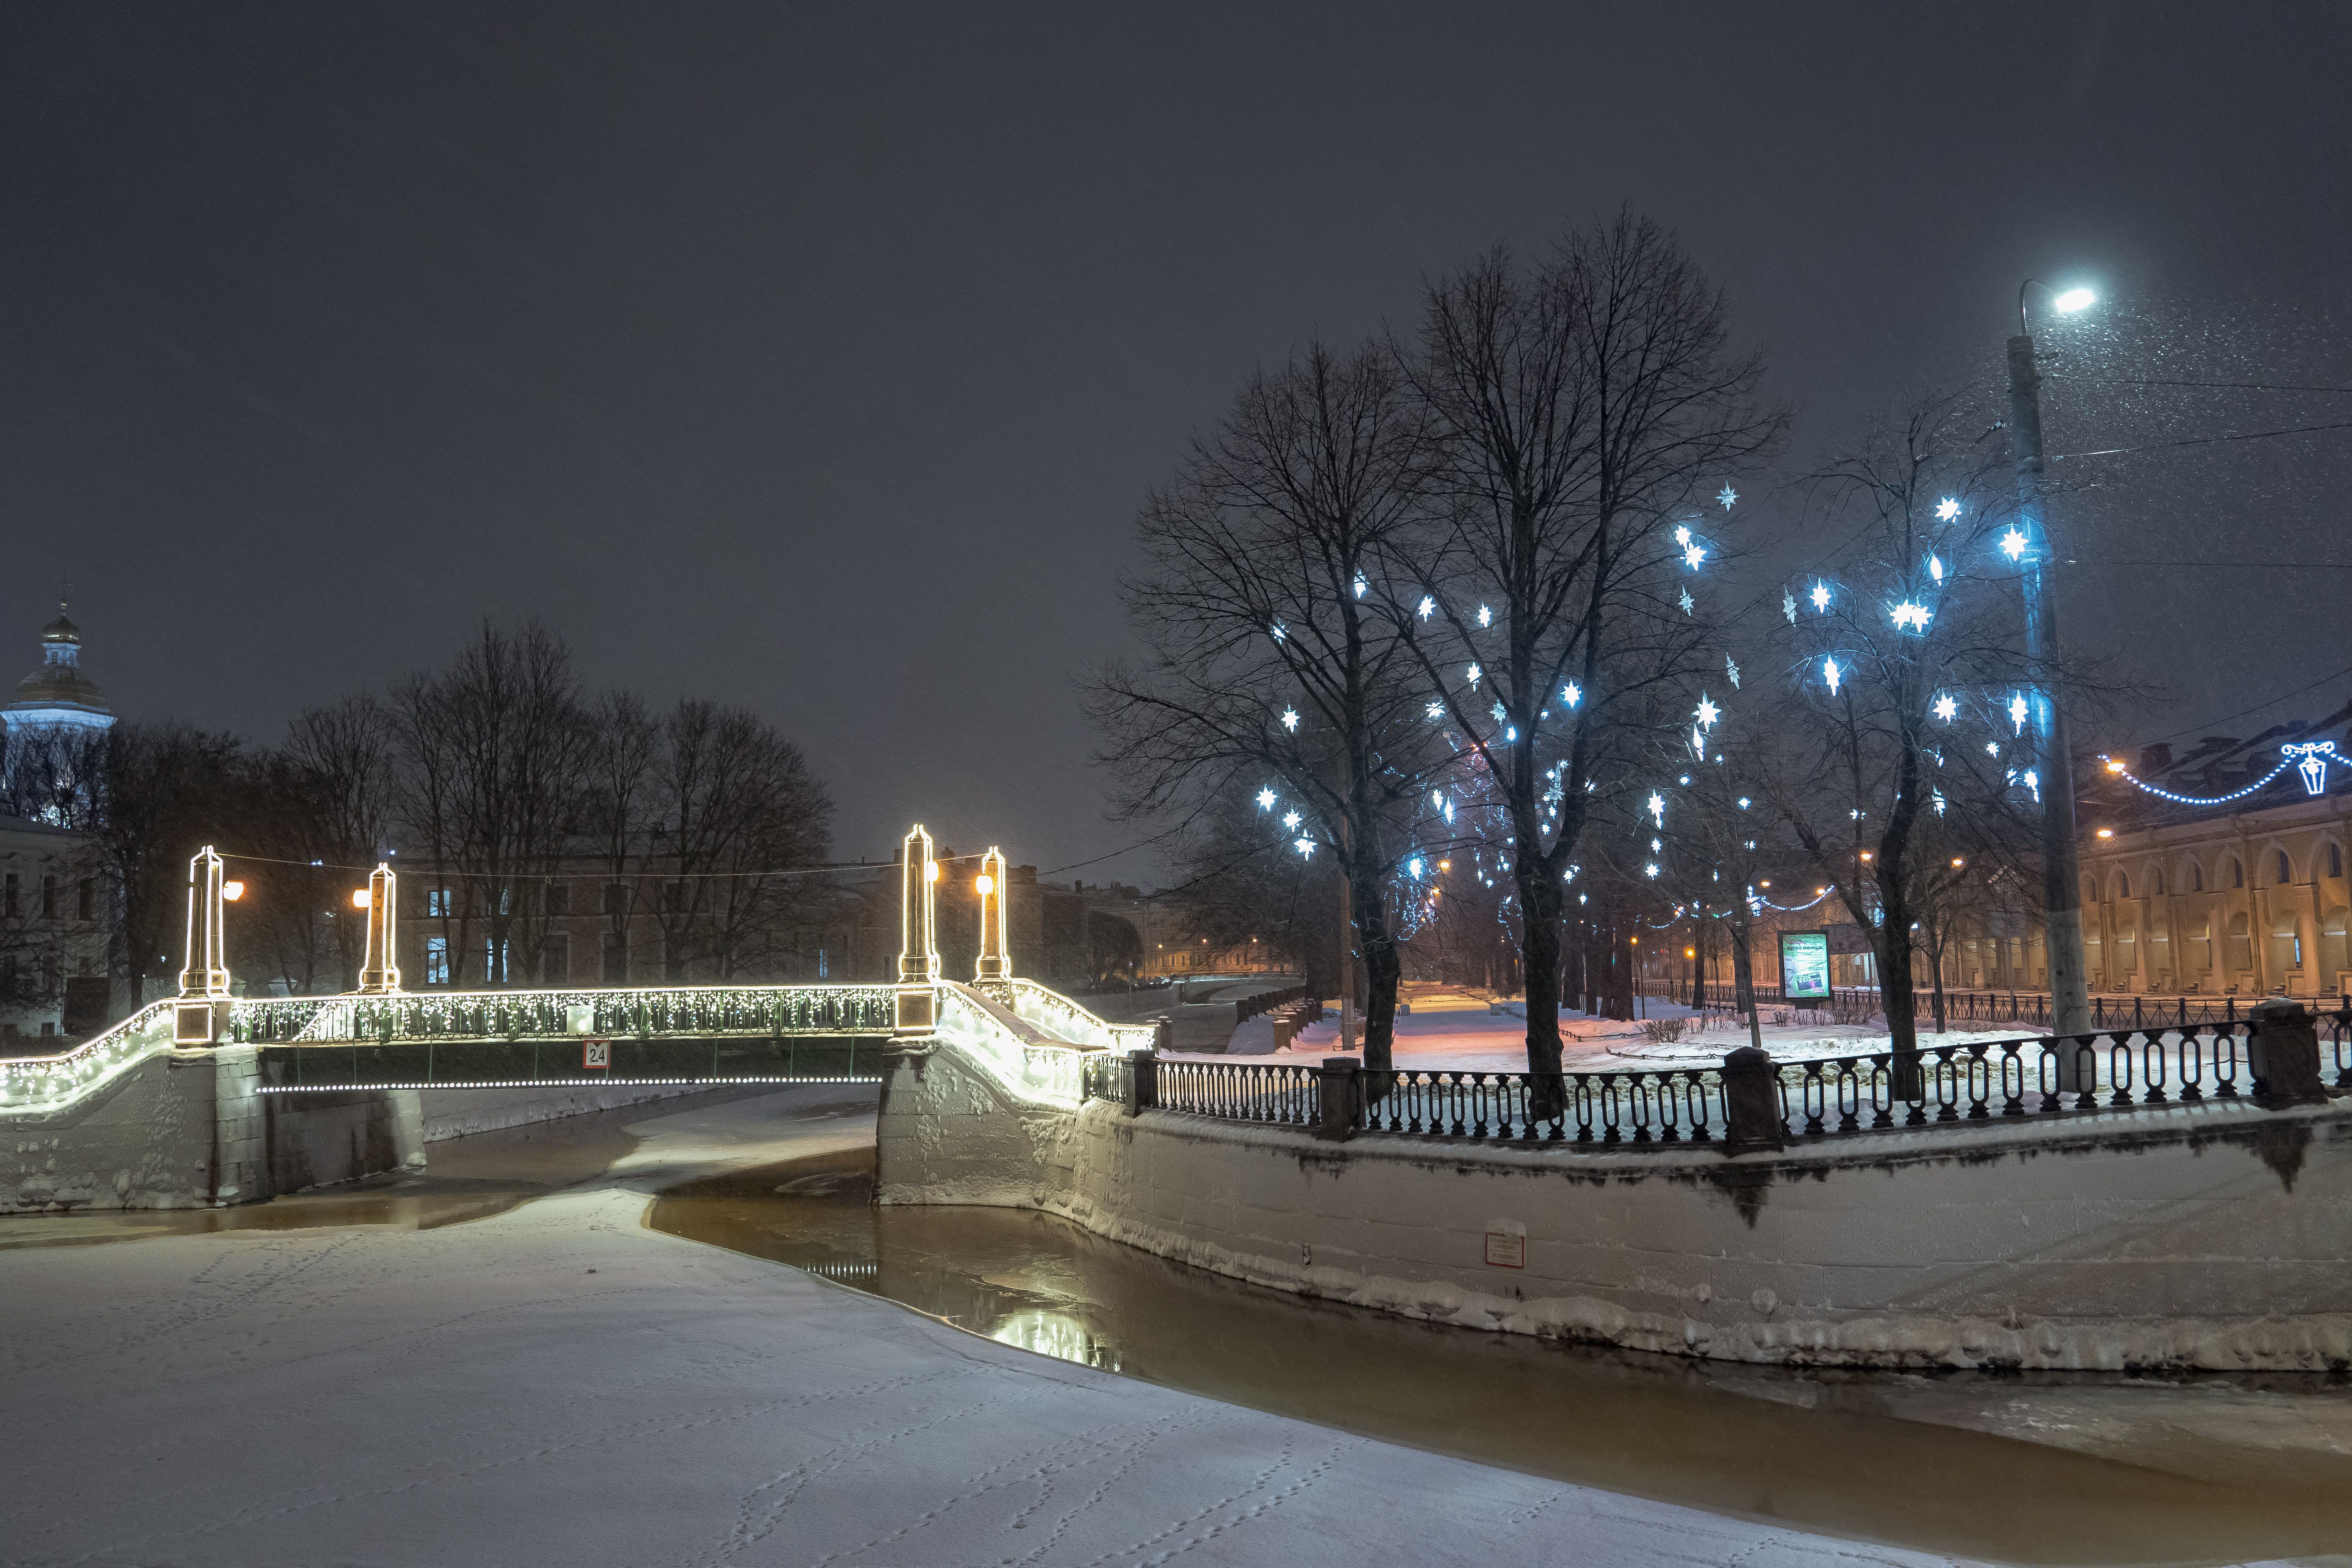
(1687, 602)
(1727, 496)
(1947, 510)
(1290, 720)
(1265, 800)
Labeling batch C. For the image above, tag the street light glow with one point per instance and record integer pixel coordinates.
(2074, 300)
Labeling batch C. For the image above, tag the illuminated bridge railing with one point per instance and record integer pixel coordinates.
(34, 1084)
(1063, 1019)
(700, 1010)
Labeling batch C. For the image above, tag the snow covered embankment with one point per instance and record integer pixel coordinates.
(2206, 1236)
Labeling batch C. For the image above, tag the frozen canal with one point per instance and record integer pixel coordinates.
(501, 1362)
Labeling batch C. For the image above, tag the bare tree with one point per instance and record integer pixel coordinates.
(1270, 671)
(1891, 757)
(742, 807)
(491, 752)
(1581, 409)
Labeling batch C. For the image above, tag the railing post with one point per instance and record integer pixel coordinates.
(1164, 1033)
(1142, 1081)
(1342, 1102)
(2284, 1054)
(1751, 1105)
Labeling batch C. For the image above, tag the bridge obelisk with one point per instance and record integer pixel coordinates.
(995, 956)
(204, 978)
(380, 976)
(917, 1012)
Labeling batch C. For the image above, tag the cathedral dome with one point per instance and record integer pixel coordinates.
(58, 692)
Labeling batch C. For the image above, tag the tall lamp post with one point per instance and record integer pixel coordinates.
(2061, 885)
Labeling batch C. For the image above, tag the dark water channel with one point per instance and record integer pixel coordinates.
(2029, 1469)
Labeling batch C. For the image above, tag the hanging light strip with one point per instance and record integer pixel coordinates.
(2125, 773)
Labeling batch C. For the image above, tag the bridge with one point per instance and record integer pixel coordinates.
(341, 1056)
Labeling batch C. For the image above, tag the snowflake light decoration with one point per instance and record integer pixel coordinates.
(1687, 602)
(2013, 545)
(1266, 798)
(1426, 608)
(1474, 672)
(1992, 748)
(1281, 632)
(1571, 694)
(1829, 674)
(1698, 744)
(1497, 712)
(1291, 819)
(2017, 712)
(1909, 617)
(1692, 556)
(1290, 720)
(1727, 496)
(1435, 709)
(1650, 869)
(1656, 807)
(1306, 847)
(1821, 595)
(1947, 510)
(1731, 668)
(1935, 567)
(1360, 584)
(1946, 709)
(1682, 535)
(1789, 606)
(1485, 617)
(1707, 712)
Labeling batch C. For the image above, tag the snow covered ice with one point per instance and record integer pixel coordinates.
(559, 1385)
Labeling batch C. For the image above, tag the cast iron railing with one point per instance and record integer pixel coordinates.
(1984, 1005)
(1869, 1091)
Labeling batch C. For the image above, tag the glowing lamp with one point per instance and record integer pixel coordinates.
(232, 892)
(358, 898)
(985, 884)
(930, 871)
(1957, 862)
(2107, 832)
(1445, 865)
(1690, 952)
(2074, 300)
(2116, 766)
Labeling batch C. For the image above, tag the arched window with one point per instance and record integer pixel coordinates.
(2159, 888)
(2335, 859)
(2196, 875)
(2237, 873)
(2123, 884)
(2285, 872)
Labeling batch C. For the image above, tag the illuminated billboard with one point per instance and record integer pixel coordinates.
(1804, 965)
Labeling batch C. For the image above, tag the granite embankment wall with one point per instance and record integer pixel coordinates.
(186, 1130)
(2212, 1236)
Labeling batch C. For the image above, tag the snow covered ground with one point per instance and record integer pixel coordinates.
(560, 1386)
(1454, 1031)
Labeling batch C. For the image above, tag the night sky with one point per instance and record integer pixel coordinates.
(815, 359)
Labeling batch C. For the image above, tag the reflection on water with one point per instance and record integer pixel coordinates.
(2035, 1468)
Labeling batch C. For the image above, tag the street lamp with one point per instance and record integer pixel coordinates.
(2061, 894)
